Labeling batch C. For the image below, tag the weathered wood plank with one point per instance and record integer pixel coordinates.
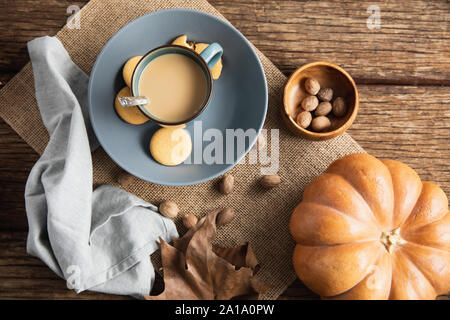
(410, 48)
(16, 161)
(409, 124)
(24, 20)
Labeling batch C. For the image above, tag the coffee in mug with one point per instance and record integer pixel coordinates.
(175, 85)
(177, 82)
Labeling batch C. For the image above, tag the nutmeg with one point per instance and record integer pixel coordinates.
(227, 184)
(304, 119)
(169, 209)
(270, 180)
(125, 179)
(320, 123)
(225, 216)
(309, 103)
(190, 220)
(312, 86)
(339, 107)
(325, 94)
(323, 109)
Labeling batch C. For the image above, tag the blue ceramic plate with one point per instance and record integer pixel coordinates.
(239, 98)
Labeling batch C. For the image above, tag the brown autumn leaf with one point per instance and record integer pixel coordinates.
(195, 269)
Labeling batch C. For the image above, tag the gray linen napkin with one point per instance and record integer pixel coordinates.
(98, 240)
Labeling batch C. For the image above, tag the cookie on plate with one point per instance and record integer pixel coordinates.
(171, 146)
(128, 69)
(131, 115)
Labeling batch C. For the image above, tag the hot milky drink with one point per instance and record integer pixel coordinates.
(175, 85)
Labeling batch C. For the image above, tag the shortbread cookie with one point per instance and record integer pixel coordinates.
(131, 115)
(199, 47)
(182, 41)
(171, 146)
(128, 69)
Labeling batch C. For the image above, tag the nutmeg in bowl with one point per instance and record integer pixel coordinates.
(315, 87)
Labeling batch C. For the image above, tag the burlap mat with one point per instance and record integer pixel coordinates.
(262, 216)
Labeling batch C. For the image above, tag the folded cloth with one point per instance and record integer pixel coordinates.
(98, 240)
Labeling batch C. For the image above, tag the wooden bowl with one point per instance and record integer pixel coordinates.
(329, 76)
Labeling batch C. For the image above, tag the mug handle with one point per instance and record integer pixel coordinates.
(212, 54)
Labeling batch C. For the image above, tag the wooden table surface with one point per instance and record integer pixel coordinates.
(401, 69)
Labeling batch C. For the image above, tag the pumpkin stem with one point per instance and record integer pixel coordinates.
(391, 239)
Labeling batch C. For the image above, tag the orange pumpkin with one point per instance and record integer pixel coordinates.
(371, 229)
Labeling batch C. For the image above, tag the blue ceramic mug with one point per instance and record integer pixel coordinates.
(206, 60)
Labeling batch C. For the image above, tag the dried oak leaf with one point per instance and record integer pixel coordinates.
(195, 269)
